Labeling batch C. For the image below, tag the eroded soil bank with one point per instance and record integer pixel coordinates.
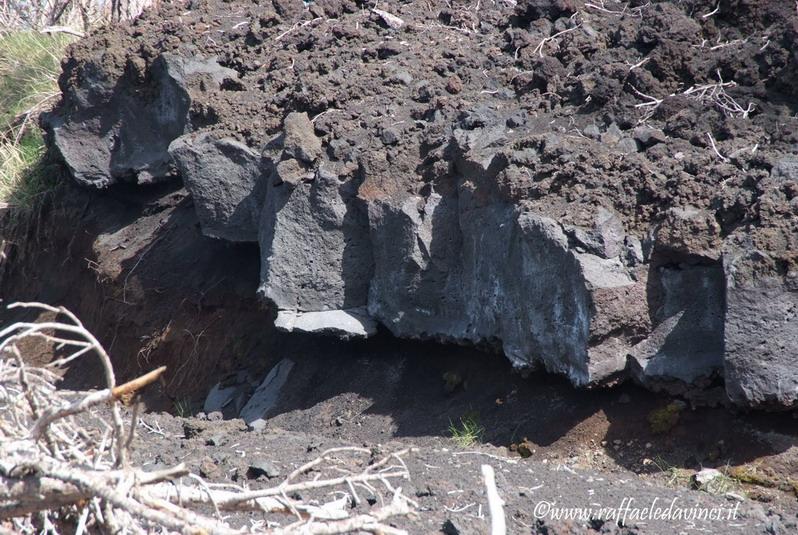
(462, 204)
(602, 190)
(93, 252)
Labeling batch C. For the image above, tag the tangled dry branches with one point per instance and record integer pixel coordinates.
(713, 94)
(65, 465)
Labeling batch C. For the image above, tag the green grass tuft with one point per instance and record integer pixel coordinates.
(29, 66)
(24, 176)
(183, 408)
(468, 432)
(30, 63)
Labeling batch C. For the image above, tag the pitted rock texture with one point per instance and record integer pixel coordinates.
(602, 192)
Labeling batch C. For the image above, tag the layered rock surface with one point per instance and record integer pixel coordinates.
(600, 194)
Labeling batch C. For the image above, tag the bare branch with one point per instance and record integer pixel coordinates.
(51, 466)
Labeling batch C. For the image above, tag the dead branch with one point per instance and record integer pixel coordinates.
(539, 49)
(715, 147)
(713, 93)
(498, 524)
(601, 6)
(63, 29)
(52, 466)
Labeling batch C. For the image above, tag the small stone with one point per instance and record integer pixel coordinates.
(339, 421)
(390, 20)
(291, 172)
(424, 92)
(592, 131)
(648, 137)
(627, 146)
(262, 467)
(612, 136)
(192, 428)
(525, 448)
(702, 478)
(517, 119)
(454, 85)
(609, 139)
(215, 440)
(785, 170)
(425, 492)
(257, 425)
(450, 527)
(401, 76)
(209, 469)
(389, 136)
(215, 416)
(300, 140)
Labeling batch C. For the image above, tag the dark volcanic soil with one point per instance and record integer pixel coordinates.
(568, 79)
(446, 481)
(606, 190)
(566, 68)
(371, 392)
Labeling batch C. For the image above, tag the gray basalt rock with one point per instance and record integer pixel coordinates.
(507, 208)
(351, 323)
(315, 252)
(463, 267)
(266, 396)
(226, 181)
(113, 130)
(686, 343)
(761, 331)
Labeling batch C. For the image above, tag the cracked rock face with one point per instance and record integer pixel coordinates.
(111, 130)
(227, 182)
(469, 180)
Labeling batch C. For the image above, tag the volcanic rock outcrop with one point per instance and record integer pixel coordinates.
(603, 191)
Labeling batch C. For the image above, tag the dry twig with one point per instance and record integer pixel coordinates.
(714, 93)
(498, 524)
(54, 466)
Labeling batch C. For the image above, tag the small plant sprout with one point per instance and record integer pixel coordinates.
(468, 431)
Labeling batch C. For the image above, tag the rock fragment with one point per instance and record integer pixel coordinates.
(300, 140)
(266, 395)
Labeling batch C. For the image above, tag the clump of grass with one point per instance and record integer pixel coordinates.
(182, 408)
(29, 67)
(720, 485)
(24, 177)
(676, 477)
(468, 431)
(664, 419)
